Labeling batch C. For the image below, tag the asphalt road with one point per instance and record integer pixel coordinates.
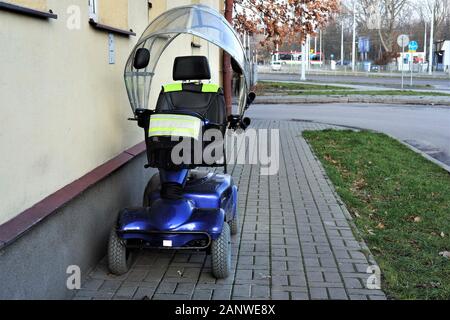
(426, 128)
(385, 82)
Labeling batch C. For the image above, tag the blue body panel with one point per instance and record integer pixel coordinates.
(137, 224)
(207, 203)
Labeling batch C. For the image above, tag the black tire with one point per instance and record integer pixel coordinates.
(152, 186)
(221, 254)
(234, 224)
(119, 257)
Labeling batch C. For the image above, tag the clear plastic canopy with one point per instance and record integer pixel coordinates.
(197, 20)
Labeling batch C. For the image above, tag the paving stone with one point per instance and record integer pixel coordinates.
(185, 288)
(242, 290)
(126, 292)
(318, 293)
(166, 287)
(299, 296)
(260, 291)
(221, 294)
(92, 284)
(337, 294)
(143, 292)
(358, 297)
(110, 286)
(202, 295)
(281, 295)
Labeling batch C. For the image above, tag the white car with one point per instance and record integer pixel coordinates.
(276, 65)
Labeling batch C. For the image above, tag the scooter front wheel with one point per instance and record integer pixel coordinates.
(119, 257)
(221, 254)
(234, 224)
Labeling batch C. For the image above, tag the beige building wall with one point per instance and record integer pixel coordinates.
(64, 108)
(110, 13)
(33, 4)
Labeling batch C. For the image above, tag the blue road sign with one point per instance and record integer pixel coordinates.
(413, 46)
(364, 44)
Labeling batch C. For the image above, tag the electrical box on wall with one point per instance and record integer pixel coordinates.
(111, 49)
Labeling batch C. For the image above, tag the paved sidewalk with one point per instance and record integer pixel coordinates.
(296, 242)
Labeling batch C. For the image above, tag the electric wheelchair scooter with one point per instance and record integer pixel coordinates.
(183, 208)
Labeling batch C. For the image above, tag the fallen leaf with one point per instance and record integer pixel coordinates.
(370, 231)
(330, 159)
(430, 285)
(435, 284)
(445, 254)
(357, 214)
(359, 184)
(380, 226)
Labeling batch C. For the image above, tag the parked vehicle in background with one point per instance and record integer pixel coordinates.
(288, 58)
(276, 65)
(375, 68)
(346, 63)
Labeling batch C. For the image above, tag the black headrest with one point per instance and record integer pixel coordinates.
(191, 68)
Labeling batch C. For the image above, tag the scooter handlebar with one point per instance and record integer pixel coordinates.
(238, 122)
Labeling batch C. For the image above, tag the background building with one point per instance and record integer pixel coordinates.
(69, 158)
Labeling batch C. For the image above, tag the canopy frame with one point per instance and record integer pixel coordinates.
(185, 20)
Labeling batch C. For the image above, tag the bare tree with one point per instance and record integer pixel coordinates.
(441, 11)
(391, 11)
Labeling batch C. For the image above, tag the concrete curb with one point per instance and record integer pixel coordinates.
(425, 155)
(415, 100)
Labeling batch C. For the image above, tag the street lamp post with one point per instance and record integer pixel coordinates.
(425, 40)
(308, 50)
(342, 44)
(303, 73)
(430, 59)
(354, 38)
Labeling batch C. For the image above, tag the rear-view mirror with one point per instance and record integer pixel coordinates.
(251, 98)
(142, 58)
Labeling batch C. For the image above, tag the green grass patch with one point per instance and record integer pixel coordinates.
(289, 86)
(400, 203)
(302, 89)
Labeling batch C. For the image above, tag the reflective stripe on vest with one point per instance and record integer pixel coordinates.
(173, 87)
(175, 125)
(206, 87)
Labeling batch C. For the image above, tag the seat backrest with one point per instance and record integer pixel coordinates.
(205, 99)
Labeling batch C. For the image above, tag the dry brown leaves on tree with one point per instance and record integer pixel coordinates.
(283, 20)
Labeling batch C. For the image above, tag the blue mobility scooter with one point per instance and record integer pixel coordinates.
(183, 208)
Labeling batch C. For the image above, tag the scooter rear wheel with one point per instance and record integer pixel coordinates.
(221, 254)
(119, 257)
